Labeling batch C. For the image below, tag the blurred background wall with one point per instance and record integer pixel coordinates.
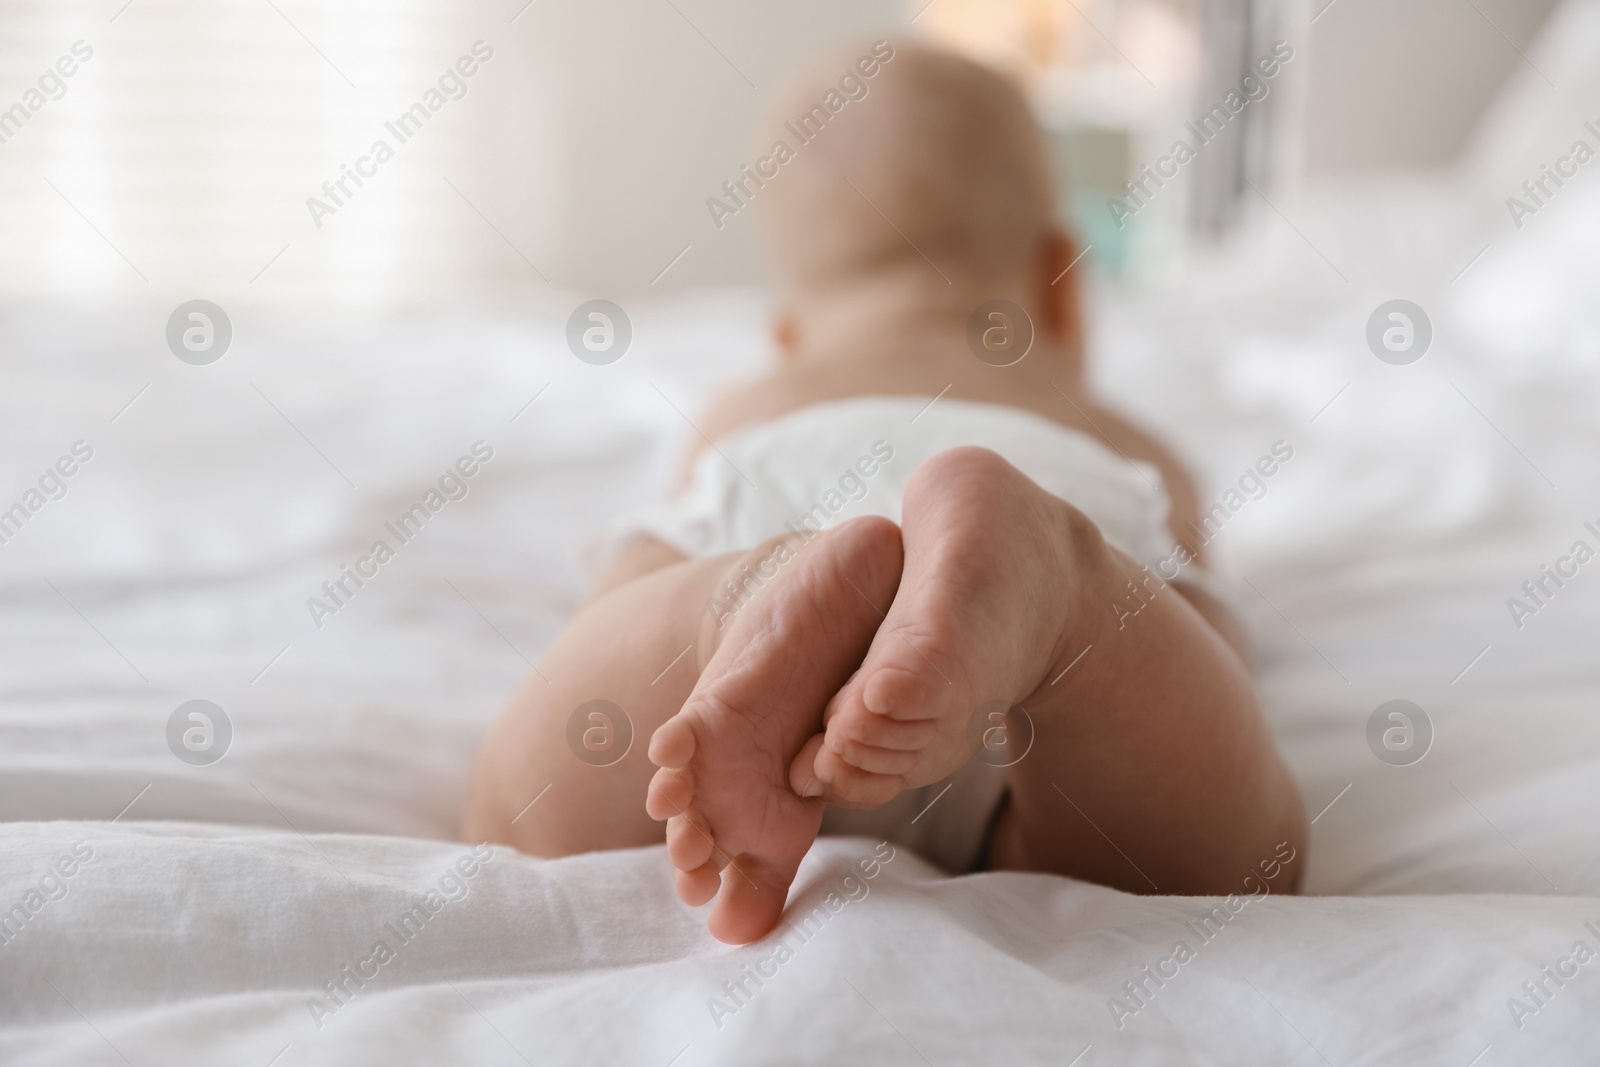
(1398, 84)
(179, 157)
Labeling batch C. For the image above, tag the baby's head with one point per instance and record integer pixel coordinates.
(925, 192)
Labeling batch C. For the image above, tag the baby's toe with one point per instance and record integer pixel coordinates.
(750, 904)
(698, 886)
(909, 690)
(871, 758)
(853, 787)
(802, 769)
(669, 795)
(673, 743)
(689, 843)
(861, 727)
(839, 752)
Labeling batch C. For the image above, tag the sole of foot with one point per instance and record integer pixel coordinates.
(736, 831)
(980, 617)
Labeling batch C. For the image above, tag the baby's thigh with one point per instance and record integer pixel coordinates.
(564, 769)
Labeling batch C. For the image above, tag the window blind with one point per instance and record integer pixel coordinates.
(178, 146)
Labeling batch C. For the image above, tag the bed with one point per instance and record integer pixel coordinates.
(179, 911)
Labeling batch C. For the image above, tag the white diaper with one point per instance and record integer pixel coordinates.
(824, 464)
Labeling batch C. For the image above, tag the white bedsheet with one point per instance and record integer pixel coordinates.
(179, 563)
(221, 898)
(205, 944)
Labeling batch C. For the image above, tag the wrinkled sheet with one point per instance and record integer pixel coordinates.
(207, 944)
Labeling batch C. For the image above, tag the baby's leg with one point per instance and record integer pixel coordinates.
(744, 685)
(636, 646)
(1151, 768)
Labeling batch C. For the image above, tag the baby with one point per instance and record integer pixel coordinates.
(905, 563)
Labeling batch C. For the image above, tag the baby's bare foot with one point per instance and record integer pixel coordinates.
(723, 787)
(981, 617)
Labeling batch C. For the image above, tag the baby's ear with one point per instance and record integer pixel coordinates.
(1059, 264)
(786, 334)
